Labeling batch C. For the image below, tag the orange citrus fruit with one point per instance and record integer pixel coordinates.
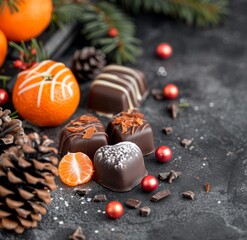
(3, 47)
(46, 94)
(31, 19)
(75, 169)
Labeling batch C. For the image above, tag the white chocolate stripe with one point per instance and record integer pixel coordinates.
(125, 70)
(30, 79)
(68, 86)
(117, 79)
(114, 86)
(40, 91)
(35, 68)
(48, 71)
(63, 85)
(54, 82)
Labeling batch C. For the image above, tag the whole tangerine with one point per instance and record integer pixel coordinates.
(46, 94)
(3, 47)
(28, 22)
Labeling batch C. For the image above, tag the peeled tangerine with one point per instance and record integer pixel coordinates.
(75, 169)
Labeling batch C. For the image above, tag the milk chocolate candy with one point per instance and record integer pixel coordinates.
(116, 89)
(84, 134)
(131, 126)
(119, 167)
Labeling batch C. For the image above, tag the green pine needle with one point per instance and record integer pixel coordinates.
(11, 4)
(198, 12)
(98, 19)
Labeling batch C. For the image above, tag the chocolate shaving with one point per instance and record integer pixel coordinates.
(81, 191)
(128, 120)
(169, 176)
(157, 94)
(160, 195)
(173, 175)
(189, 195)
(75, 129)
(186, 142)
(167, 130)
(88, 118)
(144, 211)
(133, 203)
(77, 235)
(207, 187)
(173, 108)
(89, 133)
(99, 198)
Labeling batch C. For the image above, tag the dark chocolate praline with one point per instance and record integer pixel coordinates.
(131, 126)
(84, 134)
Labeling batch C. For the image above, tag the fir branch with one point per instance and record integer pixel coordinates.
(198, 12)
(66, 12)
(13, 5)
(98, 19)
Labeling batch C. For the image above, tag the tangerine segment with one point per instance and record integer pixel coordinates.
(75, 168)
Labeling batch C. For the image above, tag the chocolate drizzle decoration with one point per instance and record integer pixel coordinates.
(26, 178)
(127, 120)
(81, 125)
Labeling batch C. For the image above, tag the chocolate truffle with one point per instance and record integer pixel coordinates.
(131, 126)
(119, 167)
(84, 134)
(117, 89)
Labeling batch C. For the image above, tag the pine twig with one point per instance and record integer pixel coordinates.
(28, 55)
(13, 5)
(98, 19)
(198, 12)
(4, 79)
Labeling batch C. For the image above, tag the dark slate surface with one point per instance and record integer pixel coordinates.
(209, 66)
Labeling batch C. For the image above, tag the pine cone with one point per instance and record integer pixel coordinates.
(87, 63)
(26, 178)
(11, 131)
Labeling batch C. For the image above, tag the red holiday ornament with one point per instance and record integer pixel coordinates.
(164, 50)
(163, 154)
(114, 209)
(149, 183)
(170, 91)
(113, 32)
(4, 97)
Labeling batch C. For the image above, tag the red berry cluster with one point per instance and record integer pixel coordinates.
(26, 59)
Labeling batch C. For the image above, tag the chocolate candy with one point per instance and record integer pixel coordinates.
(117, 89)
(84, 134)
(119, 167)
(131, 126)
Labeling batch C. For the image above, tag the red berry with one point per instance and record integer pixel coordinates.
(113, 32)
(18, 63)
(149, 183)
(4, 97)
(114, 209)
(24, 66)
(170, 91)
(164, 50)
(34, 51)
(163, 154)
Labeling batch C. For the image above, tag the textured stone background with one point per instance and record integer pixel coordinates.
(209, 66)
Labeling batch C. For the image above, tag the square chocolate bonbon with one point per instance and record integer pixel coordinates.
(116, 89)
(84, 134)
(131, 126)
